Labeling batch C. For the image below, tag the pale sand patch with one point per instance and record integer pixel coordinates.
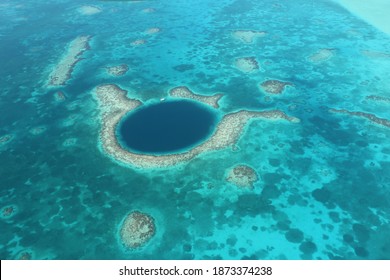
(375, 12)
(89, 10)
(114, 105)
(138, 42)
(153, 30)
(247, 36)
(246, 64)
(63, 70)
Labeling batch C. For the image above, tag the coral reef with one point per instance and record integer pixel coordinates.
(137, 229)
(247, 36)
(242, 176)
(247, 64)
(370, 117)
(61, 73)
(274, 86)
(114, 105)
(117, 70)
(321, 55)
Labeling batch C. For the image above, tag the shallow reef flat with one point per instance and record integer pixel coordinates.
(248, 36)
(378, 98)
(185, 92)
(242, 176)
(274, 86)
(321, 55)
(89, 10)
(247, 64)
(137, 229)
(62, 72)
(114, 105)
(117, 70)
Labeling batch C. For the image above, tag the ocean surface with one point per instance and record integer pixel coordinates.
(166, 127)
(324, 183)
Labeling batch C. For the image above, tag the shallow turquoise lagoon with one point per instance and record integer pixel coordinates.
(323, 188)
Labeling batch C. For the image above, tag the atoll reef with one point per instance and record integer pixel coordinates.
(321, 55)
(117, 70)
(243, 176)
(370, 117)
(274, 86)
(137, 229)
(247, 36)
(114, 105)
(63, 70)
(247, 64)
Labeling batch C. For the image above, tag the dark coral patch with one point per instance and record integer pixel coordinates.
(294, 235)
(308, 247)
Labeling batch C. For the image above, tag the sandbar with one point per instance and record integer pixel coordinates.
(114, 105)
(63, 70)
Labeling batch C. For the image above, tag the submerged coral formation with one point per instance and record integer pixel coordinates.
(247, 64)
(117, 70)
(321, 55)
(5, 138)
(89, 10)
(242, 176)
(378, 98)
(247, 36)
(153, 30)
(59, 96)
(274, 86)
(370, 117)
(8, 211)
(138, 42)
(61, 73)
(137, 229)
(114, 105)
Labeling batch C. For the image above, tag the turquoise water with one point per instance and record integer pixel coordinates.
(324, 185)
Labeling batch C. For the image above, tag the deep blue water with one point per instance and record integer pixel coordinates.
(166, 127)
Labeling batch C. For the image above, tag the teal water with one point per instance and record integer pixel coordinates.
(323, 189)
